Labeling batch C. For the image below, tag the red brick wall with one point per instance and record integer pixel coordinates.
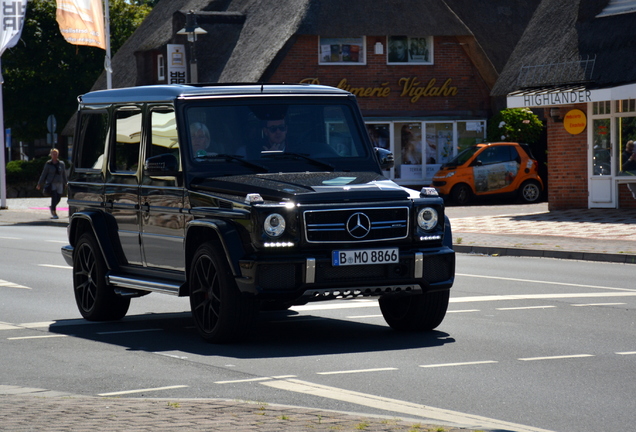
(451, 61)
(567, 165)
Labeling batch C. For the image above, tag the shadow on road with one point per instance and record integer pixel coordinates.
(275, 334)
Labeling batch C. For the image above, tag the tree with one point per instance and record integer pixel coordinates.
(516, 125)
(44, 74)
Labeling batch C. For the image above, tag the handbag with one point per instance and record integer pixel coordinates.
(48, 189)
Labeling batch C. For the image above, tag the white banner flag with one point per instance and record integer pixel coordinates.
(82, 22)
(12, 18)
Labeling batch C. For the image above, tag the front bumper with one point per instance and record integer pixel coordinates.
(315, 278)
(67, 253)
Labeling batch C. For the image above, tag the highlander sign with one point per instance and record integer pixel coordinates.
(544, 98)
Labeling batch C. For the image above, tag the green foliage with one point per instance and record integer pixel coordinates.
(19, 171)
(515, 125)
(44, 74)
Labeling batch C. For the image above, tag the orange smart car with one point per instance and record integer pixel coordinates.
(489, 169)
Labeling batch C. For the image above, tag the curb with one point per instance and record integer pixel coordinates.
(541, 253)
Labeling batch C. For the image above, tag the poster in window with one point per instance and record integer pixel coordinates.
(405, 49)
(341, 50)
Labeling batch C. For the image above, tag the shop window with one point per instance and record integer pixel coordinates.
(626, 136)
(341, 51)
(601, 159)
(407, 49)
(627, 105)
(601, 107)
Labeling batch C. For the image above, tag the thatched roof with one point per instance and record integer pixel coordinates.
(566, 44)
(242, 50)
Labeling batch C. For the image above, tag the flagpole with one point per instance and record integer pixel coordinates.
(107, 63)
(3, 180)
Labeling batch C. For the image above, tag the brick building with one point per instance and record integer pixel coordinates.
(576, 62)
(425, 106)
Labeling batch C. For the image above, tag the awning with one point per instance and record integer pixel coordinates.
(553, 96)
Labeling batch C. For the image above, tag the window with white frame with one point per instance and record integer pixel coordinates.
(349, 51)
(410, 49)
(161, 68)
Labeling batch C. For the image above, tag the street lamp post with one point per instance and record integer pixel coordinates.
(192, 30)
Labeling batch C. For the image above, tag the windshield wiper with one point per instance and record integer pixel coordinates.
(237, 158)
(301, 156)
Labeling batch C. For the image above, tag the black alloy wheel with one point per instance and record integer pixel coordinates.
(221, 314)
(95, 298)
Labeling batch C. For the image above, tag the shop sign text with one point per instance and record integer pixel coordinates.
(412, 88)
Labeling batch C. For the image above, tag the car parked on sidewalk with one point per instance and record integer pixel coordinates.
(488, 169)
(244, 197)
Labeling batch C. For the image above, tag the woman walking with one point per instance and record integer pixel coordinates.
(54, 180)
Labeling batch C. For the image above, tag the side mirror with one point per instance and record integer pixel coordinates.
(162, 165)
(476, 162)
(385, 157)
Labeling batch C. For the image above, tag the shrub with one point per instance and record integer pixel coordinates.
(515, 125)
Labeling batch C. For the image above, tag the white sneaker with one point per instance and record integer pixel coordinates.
(55, 217)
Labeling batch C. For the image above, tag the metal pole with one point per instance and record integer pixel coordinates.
(107, 63)
(3, 178)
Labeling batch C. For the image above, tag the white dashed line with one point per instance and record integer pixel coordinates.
(7, 284)
(599, 304)
(626, 353)
(525, 307)
(459, 364)
(556, 357)
(36, 337)
(357, 371)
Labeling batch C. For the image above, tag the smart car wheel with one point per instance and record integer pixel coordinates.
(95, 298)
(415, 313)
(220, 313)
(530, 192)
(461, 194)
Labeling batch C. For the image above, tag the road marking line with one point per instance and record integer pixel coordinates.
(364, 316)
(556, 357)
(58, 241)
(36, 337)
(128, 331)
(142, 390)
(526, 307)
(459, 364)
(545, 282)
(538, 296)
(397, 406)
(357, 371)
(32, 325)
(11, 238)
(55, 266)
(4, 283)
(254, 379)
(462, 311)
(7, 326)
(626, 353)
(598, 304)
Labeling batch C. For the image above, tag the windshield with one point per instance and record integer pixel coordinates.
(463, 157)
(280, 137)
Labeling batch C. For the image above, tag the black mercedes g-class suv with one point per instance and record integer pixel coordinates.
(245, 197)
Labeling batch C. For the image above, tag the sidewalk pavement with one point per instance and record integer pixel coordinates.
(518, 230)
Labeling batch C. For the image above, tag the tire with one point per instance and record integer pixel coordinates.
(461, 194)
(415, 313)
(221, 314)
(95, 298)
(530, 192)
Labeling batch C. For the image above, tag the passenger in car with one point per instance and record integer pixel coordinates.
(200, 136)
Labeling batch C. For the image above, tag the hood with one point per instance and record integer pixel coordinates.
(308, 187)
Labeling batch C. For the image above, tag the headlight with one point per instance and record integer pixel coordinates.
(274, 225)
(427, 218)
(449, 174)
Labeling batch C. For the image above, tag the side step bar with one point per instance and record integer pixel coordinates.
(127, 282)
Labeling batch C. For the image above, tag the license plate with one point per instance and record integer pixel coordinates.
(365, 256)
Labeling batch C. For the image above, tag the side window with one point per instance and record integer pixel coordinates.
(125, 153)
(163, 134)
(497, 154)
(93, 133)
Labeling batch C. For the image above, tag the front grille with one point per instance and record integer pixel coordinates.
(368, 274)
(278, 276)
(356, 224)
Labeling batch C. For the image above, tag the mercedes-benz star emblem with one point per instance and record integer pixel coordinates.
(358, 225)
